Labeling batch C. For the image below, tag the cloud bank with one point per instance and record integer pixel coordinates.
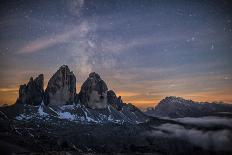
(215, 140)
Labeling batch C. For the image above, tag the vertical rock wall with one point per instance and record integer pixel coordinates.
(61, 87)
(93, 92)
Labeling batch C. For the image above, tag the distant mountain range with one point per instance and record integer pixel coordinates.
(178, 107)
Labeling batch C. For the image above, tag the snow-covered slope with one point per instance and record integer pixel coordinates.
(80, 113)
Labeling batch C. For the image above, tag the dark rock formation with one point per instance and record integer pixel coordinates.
(93, 92)
(76, 99)
(61, 87)
(178, 107)
(33, 92)
(61, 90)
(113, 100)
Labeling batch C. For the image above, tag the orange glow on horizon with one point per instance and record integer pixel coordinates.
(9, 96)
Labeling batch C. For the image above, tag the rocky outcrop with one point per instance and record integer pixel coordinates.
(33, 92)
(93, 92)
(94, 103)
(179, 107)
(61, 87)
(113, 100)
(61, 90)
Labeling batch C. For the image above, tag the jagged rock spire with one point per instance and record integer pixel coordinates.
(33, 92)
(61, 87)
(93, 92)
(113, 100)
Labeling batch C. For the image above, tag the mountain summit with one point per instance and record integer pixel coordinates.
(178, 107)
(61, 87)
(94, 103)
(94, 92)
(32, 93)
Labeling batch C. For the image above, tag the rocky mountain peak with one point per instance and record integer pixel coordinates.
(115, 101)
(64, 66)
(32, 92)
(174, 101)
(93, 92)
(179, 107)
(94, 75)
(94, 103)
(40, 81)
(61, 90)
(61, 87)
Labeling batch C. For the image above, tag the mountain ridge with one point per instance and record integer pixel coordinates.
(179, 107)
(93, 104)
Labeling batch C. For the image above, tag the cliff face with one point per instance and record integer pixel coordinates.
(32, 93)
(94, 103)
(61, 87)
(115, 101)
(61, 90)
(93, 92)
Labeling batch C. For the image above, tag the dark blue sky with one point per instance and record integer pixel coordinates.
(145, 50)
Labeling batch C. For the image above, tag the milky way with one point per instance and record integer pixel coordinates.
(144, 50)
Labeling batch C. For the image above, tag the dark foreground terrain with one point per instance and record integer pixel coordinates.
(209, 135)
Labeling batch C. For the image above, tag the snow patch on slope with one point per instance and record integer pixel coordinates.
(77, 113)
(66, 115)
(23, 117)
(41, 112)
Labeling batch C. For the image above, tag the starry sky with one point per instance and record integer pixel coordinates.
(144, 50)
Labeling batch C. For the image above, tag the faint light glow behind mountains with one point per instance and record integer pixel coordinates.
(144, 50)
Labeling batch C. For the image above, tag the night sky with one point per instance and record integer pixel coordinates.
(145, 50)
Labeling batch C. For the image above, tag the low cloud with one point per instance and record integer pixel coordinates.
(214, 140)
(206, 121)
